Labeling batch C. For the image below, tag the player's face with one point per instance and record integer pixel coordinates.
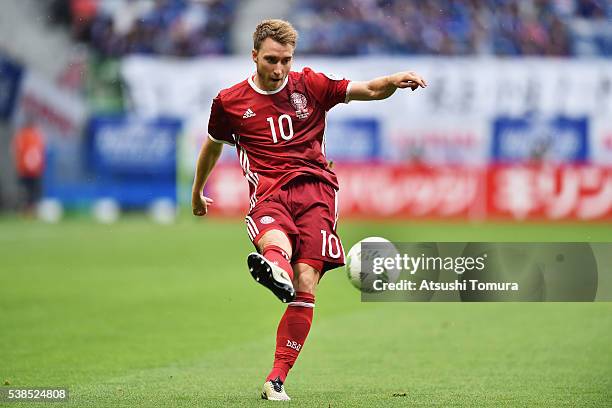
(273, 61)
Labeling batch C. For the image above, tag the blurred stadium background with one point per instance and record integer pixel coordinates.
(511, 141)
(515, 125)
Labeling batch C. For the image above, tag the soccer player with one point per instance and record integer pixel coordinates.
(276, 120)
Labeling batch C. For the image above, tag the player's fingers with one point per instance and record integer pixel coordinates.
(408, 84)
(412, 76)
(419, 81)
(199, 210)
(208, 200)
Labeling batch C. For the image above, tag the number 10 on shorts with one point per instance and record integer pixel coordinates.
(330, 245)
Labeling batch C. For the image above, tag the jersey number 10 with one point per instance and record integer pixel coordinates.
(328, 243)
(281, 127)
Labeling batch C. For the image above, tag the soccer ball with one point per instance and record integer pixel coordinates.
(364, 279)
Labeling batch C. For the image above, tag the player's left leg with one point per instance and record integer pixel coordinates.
(293, 329)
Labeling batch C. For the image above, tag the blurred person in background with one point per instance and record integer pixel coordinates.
(29, 155)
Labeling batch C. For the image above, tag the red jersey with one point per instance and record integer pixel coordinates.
(280, 134)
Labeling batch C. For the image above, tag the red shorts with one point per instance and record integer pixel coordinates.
(306, 210)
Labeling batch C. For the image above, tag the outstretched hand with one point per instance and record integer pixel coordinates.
(407, 79)
(200, 203)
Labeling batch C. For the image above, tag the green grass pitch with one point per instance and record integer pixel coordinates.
(139, 315)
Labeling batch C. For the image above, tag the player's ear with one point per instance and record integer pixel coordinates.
(254, 55)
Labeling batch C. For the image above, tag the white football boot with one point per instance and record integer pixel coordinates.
(271, 276)
(274, 390)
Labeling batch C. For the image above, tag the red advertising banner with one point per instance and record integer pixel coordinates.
(548, 192)
(229, 190)
(409, 191)
(542, 192)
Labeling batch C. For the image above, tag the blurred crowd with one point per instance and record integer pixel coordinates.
(186, 28)
(447, 27)
(179, 28)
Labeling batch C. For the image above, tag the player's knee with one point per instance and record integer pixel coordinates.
(274, 237)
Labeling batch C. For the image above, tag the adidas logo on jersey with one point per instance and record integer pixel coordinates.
(248, 114)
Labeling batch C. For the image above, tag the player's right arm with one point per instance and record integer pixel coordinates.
(209, 154)
(219, 132)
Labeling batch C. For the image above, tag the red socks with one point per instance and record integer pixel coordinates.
(291, 334)
(278, 256)
(295, 323)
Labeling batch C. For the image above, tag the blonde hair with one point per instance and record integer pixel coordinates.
(280, 31)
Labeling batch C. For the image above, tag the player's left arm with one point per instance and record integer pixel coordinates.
(384, 87)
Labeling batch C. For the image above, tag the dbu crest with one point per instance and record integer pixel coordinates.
(300, 104)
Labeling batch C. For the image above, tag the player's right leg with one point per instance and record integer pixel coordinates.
(271, 266)
(274, 390)
(271, 229)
